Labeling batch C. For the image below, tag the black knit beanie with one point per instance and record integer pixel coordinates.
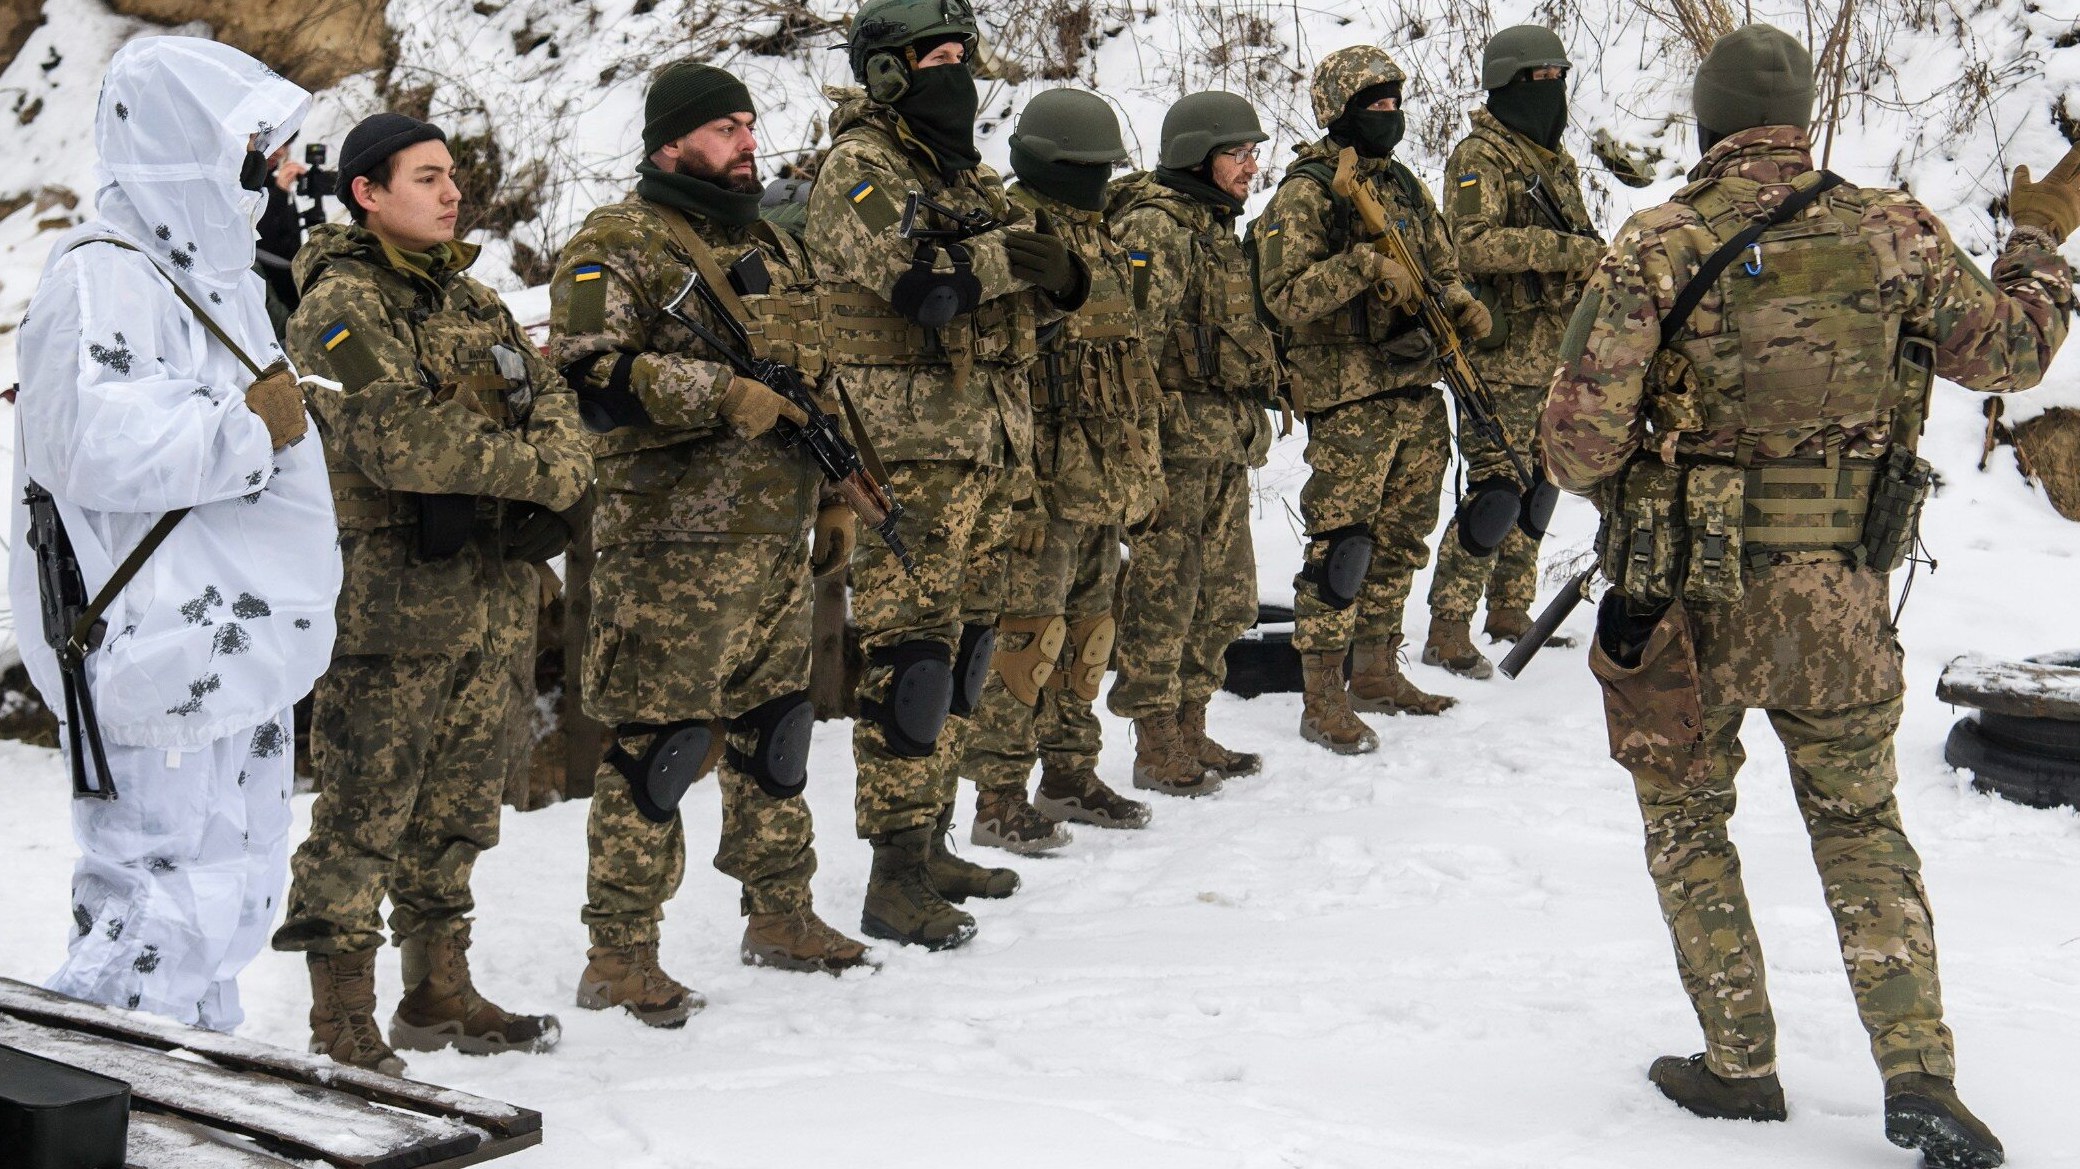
(685, 97)
(376, 138)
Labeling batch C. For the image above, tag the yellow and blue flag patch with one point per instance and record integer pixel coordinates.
(584, 272)
(335, 336)
(1138, 259)
(1471, 178)
(859, 193)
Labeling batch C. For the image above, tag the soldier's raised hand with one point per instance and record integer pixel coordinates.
(2051, 204)
(753, 408)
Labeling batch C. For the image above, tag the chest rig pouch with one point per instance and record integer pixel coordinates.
(1080, 367)
(1221, 344)
(466, 356)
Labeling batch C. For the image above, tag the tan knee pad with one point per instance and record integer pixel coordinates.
(1090, 652)
(1027, 667)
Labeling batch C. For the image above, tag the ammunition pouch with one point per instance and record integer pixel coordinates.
(778, 761)
(1714, 530)
(446, 523)
(678, 755)
(1893, 520)
(1639, 544)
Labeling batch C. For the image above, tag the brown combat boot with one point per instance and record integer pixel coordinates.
(1005, 819)
(800, 940)
(1078, 794)
(902, 906)
(1377, 686)
(1512, 624)
(1699, 1090)
(958, 879)
(1162, 764)
(442, 1008)
(343, 1012)
(1451, 645)
(1325, 710)
(1191, 728)
(1923, 1112)
(629, 977)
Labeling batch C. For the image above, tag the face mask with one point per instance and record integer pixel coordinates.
(939, 108)
(1375, 133)
(1079, 184)
(1535, 109)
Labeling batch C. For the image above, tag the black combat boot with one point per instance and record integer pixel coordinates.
(1700, 1090)
(1923, 1112)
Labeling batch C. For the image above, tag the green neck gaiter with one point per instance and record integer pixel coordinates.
(1535, 109)
(702, 197)
(1079, 184)
(1191, 183)
(939, 108)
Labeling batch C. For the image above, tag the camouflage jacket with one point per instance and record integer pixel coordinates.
(1343, 343)
(959, 394)
(1187, 261)
(1097, 454)
(1809, 630)
(687, 476)
(425, 410)
(1528, 271)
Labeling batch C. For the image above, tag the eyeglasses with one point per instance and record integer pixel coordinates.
(1240, 154)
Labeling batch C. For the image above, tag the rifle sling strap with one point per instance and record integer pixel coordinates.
(1708, 274)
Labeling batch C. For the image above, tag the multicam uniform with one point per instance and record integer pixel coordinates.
(1191, 584)
(1773, 413)
(1097, 467)
(1529, 273)
(429, 700)
(701, 584)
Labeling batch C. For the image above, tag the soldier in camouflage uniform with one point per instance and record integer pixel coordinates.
(1364, 375)
(453, 448)
(1782, 414)
(699, 624)
(1191, 583)
(929, 338)
(1513, 201)
(1097, 467)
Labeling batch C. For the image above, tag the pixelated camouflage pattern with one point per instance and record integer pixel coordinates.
(689, 476)
(1190, 590)
(1071, 577)
(411, 753)
(437, 419)
(1344, 74)
(1527, 272)
(1509, 578)
(1380, 463)
(1843, 773)
(1344, 343)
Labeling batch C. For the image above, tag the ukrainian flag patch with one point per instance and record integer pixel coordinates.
(584, 272)
(859, 193)
(1138, 259)
(1273, 230)
(334, 337)
(1469, 179)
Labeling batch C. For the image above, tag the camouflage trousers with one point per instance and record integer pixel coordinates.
(684, 630)
(1843, 772)
(1377, 462)
(956, 520)
(411, 753)
(1190, 591)
(1509, 578)
(1072, 577)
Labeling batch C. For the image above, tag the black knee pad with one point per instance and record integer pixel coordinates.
(1487, 512)
(1339, 573)
(779, 761)
(971, 667)
(1539, 500)
(678, 755)
(920, 695)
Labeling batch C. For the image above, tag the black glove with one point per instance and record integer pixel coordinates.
(1042, 260)
(533, 533)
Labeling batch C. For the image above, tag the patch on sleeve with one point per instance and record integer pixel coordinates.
(352, 360)
(873, 207)
(1138, 262)
(586, 306)
(1468, 199)
(1271, 245)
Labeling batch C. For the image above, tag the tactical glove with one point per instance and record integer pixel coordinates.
(1472, 319)
(837, 534)
(1030, 536)
(278, 400)
(2051, 205)
(533, 533)
(752, 408)
(1395, 284)
(1041, 260)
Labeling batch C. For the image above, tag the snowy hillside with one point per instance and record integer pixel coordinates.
(1443, 955)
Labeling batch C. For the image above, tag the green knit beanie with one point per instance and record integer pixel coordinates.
(685, 97)
(1754, 76)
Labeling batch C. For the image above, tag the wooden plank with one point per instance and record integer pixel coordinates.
(2029, 689)
(171, 1142)
(299, 1119)
(36, 1004)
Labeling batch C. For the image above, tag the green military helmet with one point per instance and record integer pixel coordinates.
(1070, 125)
(1346, 73)
(883, 28)
(1754, 76)
(1513, 50)
(1201, 123)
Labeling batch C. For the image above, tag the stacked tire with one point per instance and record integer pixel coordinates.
(2031, 760)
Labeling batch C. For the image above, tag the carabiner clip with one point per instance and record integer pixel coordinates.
(1754, 266)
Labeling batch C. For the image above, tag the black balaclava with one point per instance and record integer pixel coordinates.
(939, 107)
(1374, 133)
(1079, 184)
(1535, 109)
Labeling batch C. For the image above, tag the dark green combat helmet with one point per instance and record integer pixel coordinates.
(1070, 125)
(884, 28)
(1346, 73)
(1754, 76)
(1201, 123)
(1513, 50)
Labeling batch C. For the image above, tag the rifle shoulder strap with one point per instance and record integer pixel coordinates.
(704, 262)
(1708, 274)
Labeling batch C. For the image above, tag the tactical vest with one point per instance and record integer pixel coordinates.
(1364, 320)
(1509, 294)
(1216, 344)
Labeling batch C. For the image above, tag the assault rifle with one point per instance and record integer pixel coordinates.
(1549, 619)
(820, 436)
(1534, 505)
(71, 635)
(1542, 198)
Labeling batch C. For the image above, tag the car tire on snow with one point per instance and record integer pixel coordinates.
(2052, 738)
(2039, 781)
